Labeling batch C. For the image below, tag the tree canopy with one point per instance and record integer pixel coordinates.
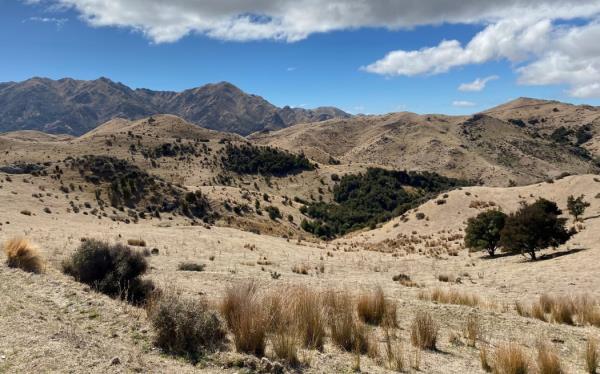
(483, 231)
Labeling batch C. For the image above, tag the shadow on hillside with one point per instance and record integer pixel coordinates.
(550, 256)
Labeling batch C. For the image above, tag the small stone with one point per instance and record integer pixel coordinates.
(115, 361)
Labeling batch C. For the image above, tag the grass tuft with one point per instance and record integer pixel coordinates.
(22, 254)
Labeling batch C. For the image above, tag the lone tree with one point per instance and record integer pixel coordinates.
(577, 206)
(483, 231)
(533, 227)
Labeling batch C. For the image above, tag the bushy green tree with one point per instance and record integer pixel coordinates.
(577, 206)
(483, 231)
(533, 227)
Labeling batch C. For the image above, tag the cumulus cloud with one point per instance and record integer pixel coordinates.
(543, 52)
(293, 20)
(463, 104)
(477, 85)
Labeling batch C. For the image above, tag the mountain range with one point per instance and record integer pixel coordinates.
(69, 106)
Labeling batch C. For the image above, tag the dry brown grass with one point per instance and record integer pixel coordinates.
(484, 359)
(394, 350)
(548, 361)
(308, 315)
(424, 331)
(375, 309)
(592, 356)
(346, 331)
(570, 310)
(451, 296)
(136, 242)
(472, 330)
(21, 253)
(511, 359)
(285, 346)
(246, 318)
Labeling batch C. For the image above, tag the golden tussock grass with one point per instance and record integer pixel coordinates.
(21, 253)
(246, 318)
(472, 330)
(510, 358)
(592, 356)
(347, 332)
(136, 242)
(548, 361)
(450, 296)
(569, 310)
(375, 309)
(424, 331)
(484, 359)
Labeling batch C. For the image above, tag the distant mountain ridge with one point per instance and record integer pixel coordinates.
(74, 107)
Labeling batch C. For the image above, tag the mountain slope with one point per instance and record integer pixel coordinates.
(75, 107)
(500, 145)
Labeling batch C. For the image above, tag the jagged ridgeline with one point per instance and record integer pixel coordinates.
(361, 200)
(125, 185)
(249, 159)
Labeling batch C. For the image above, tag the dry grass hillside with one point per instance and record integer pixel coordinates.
(201, 232)
(511, 142)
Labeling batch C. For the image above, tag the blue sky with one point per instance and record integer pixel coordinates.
(337, 67)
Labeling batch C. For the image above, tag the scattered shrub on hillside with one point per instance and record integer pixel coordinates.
(483, 231)
(274, 212)
(114, 270)
(136, 242)
(22, 254)
(249, 159)
(184, 327)
(363, 200)
(424, 331)
(577, 206)
(533, 227)
(191, 266)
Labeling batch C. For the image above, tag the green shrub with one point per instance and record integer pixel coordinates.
(249, 159)
(483, 231)
(363, 200)
(184, 327)
(114, 270)
(533, 227)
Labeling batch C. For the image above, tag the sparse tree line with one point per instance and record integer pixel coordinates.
(531, 228)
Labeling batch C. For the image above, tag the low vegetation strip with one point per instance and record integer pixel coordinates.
(361, 200)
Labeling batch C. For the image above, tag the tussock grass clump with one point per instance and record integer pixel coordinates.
(569, 310)
(451, 296)
(548, 361)
(309, 317)
(246, 318)
(346, 332)
(114, 270)
(484, 359)
(22, 254)
(472, 330)
(184, 327)
(136, 242)
(510, 359)
(592, 356)
(375, 309)
(191, 266)
(424, 331)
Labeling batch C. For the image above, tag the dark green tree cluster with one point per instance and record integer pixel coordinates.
(531, 228)
(171, 150)
(365, 199)
(577, 206)
(249, 159)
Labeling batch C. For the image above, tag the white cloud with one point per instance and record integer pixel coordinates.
(542, 52)
(59, 22)
(477, 85)
(463, 104)
(293, 20)
(291, 68)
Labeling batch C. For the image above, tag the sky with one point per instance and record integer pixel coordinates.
(363, 56)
